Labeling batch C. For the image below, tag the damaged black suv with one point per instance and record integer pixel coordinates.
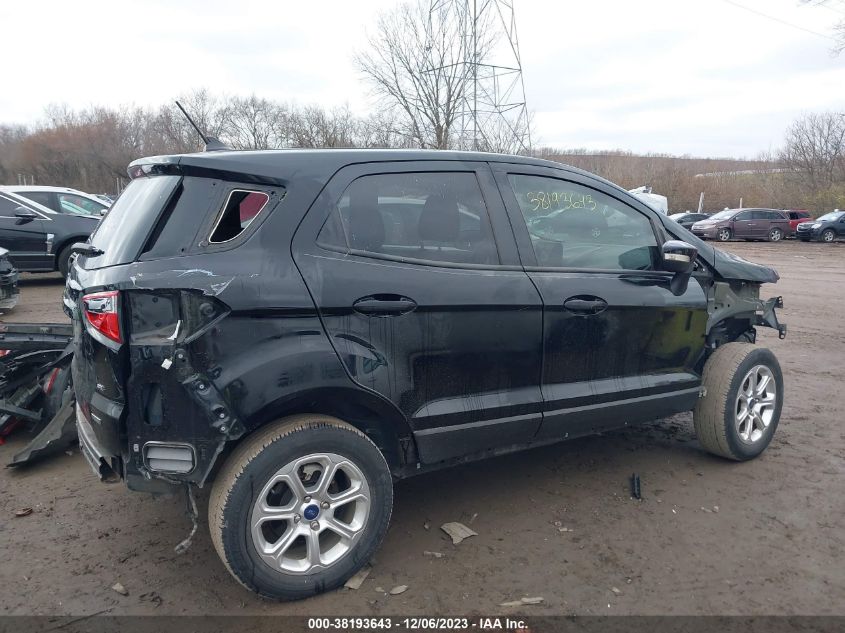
(302, 327)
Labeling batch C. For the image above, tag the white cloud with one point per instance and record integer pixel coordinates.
(656, 75)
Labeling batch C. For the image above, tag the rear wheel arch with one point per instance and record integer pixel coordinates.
(378, 420)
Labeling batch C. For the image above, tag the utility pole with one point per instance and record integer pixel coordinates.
(494, 113)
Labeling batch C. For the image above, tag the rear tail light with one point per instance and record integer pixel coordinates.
(101, 310)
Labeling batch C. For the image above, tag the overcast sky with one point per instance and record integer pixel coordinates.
(706, 78)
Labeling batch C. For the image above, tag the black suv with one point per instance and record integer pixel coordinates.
(303, 327)
(39, 239)
(826, 228)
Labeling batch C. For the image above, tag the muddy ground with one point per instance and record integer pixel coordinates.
(775, 545)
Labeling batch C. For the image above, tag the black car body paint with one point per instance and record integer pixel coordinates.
(436, 361)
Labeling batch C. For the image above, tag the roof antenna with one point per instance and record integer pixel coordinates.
(212, 143)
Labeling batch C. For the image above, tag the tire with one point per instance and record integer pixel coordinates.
(775, 235)
(273, 454)
(828, 235)
(723, 235)
(63, 260)
(717, 424)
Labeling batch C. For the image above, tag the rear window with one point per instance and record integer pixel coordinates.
(123, 231)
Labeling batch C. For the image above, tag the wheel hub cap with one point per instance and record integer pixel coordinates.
(755, 404)
(333, 497)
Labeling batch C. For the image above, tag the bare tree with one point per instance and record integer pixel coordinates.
(839, 27)
(814, 148)
(255, 123)
(416, 64)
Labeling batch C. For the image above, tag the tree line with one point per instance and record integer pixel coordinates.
(90, 149)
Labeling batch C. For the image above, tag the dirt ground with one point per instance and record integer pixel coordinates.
(709, 537)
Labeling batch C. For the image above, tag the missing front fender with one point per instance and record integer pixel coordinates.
(767, 316)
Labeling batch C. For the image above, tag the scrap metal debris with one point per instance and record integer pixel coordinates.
(23, 512)
(123, 591)
(358, 579)
(433, 554)
(34, 355)
(458, 531)
(522, 601)
(397, 590)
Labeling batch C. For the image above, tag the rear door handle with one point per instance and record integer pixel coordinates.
(384, 305)
(584, 304)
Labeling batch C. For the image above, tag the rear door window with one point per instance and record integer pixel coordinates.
(430, 217)
(44, 198)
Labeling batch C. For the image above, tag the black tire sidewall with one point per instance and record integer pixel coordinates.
(62, 263)
(237, 537)
(740, 449)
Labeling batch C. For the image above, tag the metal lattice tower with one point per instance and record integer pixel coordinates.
(493, 112)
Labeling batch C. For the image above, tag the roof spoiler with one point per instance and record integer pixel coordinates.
(212, 143)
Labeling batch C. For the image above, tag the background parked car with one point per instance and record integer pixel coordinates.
(62, 199)
(796, 217)
(38, 238)
(748, 224)
(687, 219)
(826, 228)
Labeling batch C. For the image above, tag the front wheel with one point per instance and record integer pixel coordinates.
(63, 260)
(828, 235)
(743, 396)
(301, 506)
(775, 235)
(724, 235)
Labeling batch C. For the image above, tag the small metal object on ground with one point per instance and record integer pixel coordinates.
(636, 490)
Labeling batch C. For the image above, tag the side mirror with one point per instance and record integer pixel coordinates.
(678, 256)
(25, 215)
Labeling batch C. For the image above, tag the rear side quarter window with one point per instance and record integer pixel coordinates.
(242, 206)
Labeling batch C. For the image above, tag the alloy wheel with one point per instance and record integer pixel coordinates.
(755, 404)
(310, 513)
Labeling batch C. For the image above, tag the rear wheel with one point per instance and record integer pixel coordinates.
(301, 506)
(775, 235)
(724, 235)
(743, 396)
(828, 235)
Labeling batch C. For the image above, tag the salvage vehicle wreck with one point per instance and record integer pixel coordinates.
(9, 292)
(300, 328)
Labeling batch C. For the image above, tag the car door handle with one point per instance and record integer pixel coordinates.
(384, 305)
(585, 305)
